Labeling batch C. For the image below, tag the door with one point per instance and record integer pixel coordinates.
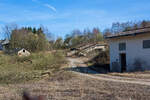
(123, 62)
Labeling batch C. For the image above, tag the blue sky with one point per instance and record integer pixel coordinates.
(62, 16)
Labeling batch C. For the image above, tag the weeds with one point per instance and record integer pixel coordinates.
(16, 69)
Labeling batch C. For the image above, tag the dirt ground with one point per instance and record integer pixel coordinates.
(137, 75)
(77, 87)
(81, 85)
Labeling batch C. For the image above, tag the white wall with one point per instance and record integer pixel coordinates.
(134, 49)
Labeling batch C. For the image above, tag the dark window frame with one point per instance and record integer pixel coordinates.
(122, 46)
(146, 44)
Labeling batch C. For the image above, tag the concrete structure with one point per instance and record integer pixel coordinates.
(101, 47)
(84, 49)
(130, 51)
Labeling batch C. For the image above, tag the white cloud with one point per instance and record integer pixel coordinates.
(45, 5)
(50, 7)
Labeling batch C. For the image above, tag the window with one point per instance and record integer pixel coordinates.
(146, 44)
(23, 50)
(122, 46)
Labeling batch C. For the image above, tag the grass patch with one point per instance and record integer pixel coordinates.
(14, 69)
(62, 76)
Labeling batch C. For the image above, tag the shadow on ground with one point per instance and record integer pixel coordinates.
(89, 69)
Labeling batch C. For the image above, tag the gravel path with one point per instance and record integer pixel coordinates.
(81, 69)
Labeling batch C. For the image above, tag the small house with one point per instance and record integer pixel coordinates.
(4, 44)
(130, 50)
(23, 52)
(1, 47)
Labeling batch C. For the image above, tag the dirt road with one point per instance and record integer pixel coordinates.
(82, 69)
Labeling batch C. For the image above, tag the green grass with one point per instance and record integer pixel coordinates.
(14, 69)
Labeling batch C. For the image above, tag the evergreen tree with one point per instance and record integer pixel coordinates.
(34, 30)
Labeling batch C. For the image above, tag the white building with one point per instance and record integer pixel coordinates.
(23, 52)
(130, 50)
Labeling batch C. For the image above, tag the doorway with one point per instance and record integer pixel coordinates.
(123, 62)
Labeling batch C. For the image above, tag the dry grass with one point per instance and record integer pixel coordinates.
(138, 75)
(70, 86)
(14, 69)
(66, 85)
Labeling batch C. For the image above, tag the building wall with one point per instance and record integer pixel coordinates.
(1, 47)
(134, 50)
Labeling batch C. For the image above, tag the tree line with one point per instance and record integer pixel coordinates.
(36, 39)
(32, 39)
(118, 27)
(81, 37)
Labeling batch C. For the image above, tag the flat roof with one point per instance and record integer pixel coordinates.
(130, 33)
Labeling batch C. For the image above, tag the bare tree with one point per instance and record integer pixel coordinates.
(7, 29)
(48, 34)
(76, 32)
(145, 24)
(107, 32)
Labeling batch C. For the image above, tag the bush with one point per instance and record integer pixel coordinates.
(101, 61)
(138, 63)
(102, 58)
(16, 69)
(32, 41)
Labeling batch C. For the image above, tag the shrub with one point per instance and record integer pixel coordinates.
(138, 65)
(102, 58)
(32, 41)
(101, 62)
(16, 69)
